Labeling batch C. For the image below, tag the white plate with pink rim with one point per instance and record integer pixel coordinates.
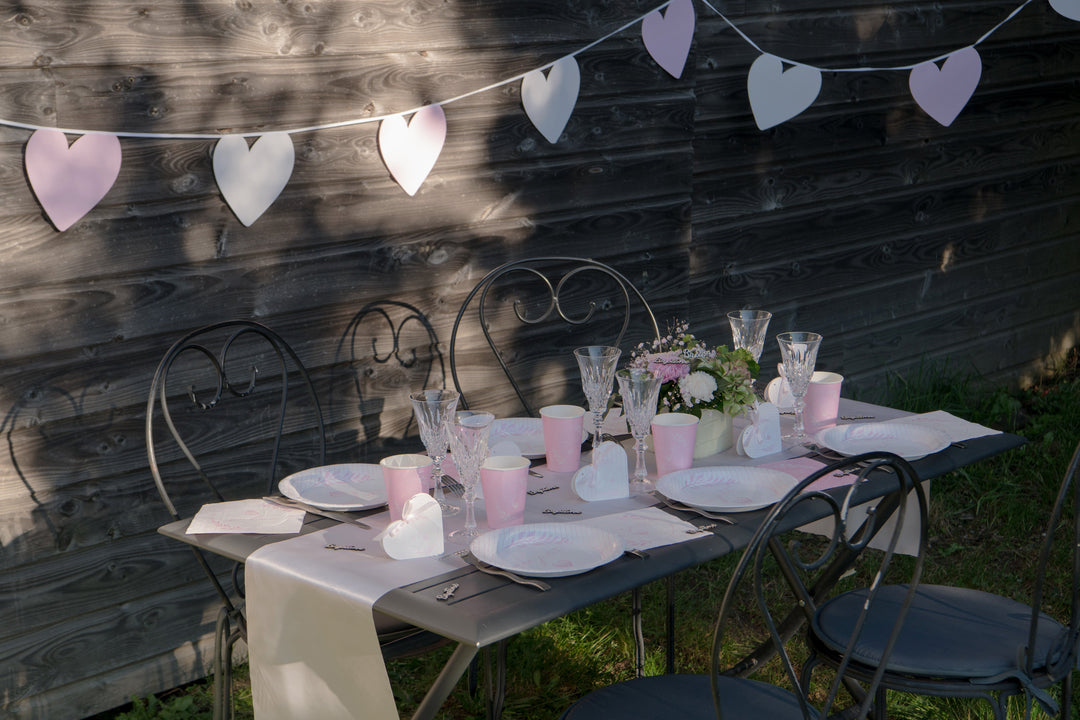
(349, 486)
(548, 549)
(910, 441)
(524, 432)
(730, 488)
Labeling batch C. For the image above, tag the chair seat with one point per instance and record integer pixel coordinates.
(686, 697)
(949, 632)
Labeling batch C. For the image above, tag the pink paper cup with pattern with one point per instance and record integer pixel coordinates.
(822, 401)
(504, 479)
(404, 476)
(562, 436)
(673, 441)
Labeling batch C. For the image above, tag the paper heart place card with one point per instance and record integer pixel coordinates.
(762, 436)
(419, 532)
(607, 477)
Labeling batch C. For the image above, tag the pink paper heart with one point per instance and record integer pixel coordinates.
(1067, 8)
(549, 101)
(668, 37)
(777, 95)
(411, 149)
(944, 92)
(70, 181)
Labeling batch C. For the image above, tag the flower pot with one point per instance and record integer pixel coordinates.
(715, 433)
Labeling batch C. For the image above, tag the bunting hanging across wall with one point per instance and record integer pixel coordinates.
(69, 180)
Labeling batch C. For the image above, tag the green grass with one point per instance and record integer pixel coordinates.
(985, 528)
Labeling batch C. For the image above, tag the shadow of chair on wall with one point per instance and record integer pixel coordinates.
(388, 350)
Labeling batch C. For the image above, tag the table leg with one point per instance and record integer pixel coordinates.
(444, 684)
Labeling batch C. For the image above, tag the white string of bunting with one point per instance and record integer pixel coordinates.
(70, 180)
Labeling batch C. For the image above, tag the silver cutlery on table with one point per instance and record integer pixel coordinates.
(331, 514)
(676, 505)
(494, 570)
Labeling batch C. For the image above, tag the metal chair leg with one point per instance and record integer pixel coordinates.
(671, 625)
(639, 636)
(222, 686)
(496, 685)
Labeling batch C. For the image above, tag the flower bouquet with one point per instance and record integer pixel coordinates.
(714, 384)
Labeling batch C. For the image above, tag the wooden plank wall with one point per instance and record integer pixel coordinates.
(862, 218)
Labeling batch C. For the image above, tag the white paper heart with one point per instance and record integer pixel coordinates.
(1067, 8)
(250, 179)
(410, 149)
(668, 37)
(777, 95)
(70, 181)
(762, 437)
(549, 101)
(606, 478)
(943, 92)
(419, 532)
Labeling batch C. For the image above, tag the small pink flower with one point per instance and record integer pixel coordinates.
(667, 366)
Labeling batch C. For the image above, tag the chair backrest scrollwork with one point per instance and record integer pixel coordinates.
(195, 392)
(590, 303)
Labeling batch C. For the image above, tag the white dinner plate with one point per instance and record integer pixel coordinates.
(526, 433)
(547, 549)
(908, 440)
(353, 486)
(732, 488)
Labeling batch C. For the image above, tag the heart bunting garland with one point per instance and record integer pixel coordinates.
(250, 179)
(410, 149)
(943, 92)
(70, 181)
(549, 101)
(668, 37)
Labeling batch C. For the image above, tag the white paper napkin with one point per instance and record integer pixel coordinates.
(954, 428)
(646, 528)
(246, 516)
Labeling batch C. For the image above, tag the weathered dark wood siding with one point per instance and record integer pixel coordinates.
(862, 218)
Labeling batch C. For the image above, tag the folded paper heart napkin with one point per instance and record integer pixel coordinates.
(762, 436)
(419, 532)
(607, 477)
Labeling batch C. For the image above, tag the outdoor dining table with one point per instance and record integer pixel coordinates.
(318, 645)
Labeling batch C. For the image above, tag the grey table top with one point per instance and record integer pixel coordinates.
(486, 609)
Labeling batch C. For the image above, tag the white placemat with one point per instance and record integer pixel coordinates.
(954, 428)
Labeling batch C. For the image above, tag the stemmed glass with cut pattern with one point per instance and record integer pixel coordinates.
(597, 364)
(799, 352)
(433, 408)
(640, 391)
(748, 328)
(469, 431)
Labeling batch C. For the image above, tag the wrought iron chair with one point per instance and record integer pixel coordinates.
(388, 349)
(812, 568)
(961, 642)
(590, 304)
(252, 444)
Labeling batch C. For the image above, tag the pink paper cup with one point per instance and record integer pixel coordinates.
(562, 436)
(673, 441)
(504, 479)
(822, 401)
(404, 476)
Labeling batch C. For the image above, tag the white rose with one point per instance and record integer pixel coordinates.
(697, 387)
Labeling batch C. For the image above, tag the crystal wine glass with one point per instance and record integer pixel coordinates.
(433, 408)
(640, 390)
(748, 329)
(469, 431)
(597, 364)
(799, 352)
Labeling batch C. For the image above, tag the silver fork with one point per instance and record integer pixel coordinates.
(495, 570)
(675, 505)
(453, 486)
